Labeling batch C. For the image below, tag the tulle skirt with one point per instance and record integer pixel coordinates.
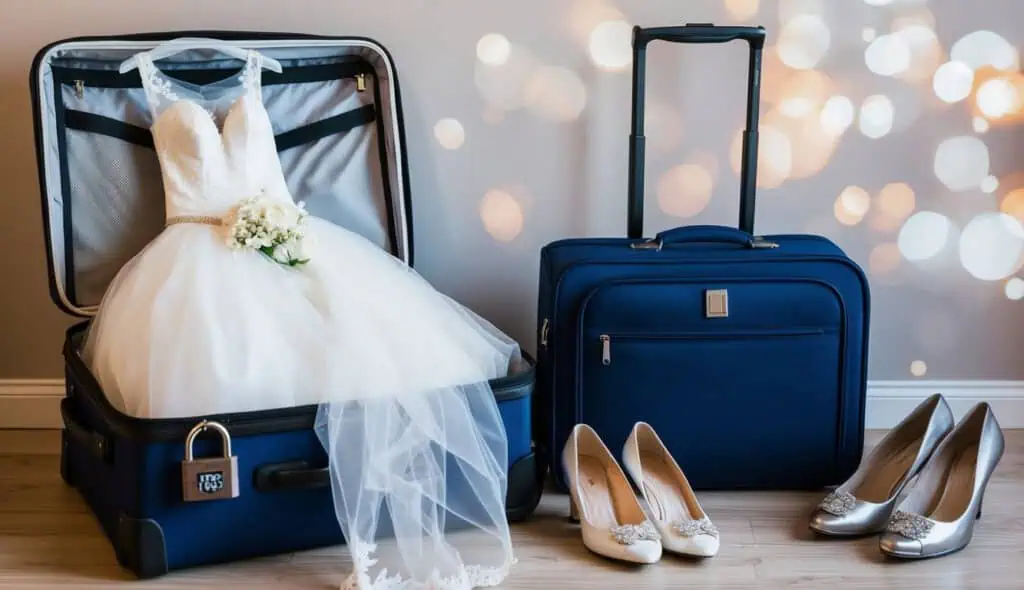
(418, 452)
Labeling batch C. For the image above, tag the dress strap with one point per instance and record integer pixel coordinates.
(252, 74)
(159, 91)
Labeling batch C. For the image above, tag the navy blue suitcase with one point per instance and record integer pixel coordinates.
(746, 353)
(336, 110)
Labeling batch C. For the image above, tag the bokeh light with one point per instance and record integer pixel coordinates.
(961, 163)
(989, 184)
(449, 133)
(924, 235)
(611, 46)
(893, 204)
(502, 215)
(556, 93)
(953, 81)
(985, 48)
(876, 116)
(924, 50)
(1013, 204)
(742, 9)
(851, 205)
(803, 41)
(663, 126)
(837, 115)
(868, 34)
(884, 258)
(493, 49)
(997, 98)
(1014, 289)
(991, 246)
(888, 55)
(980, 124)
(918, 368)
(685, 190)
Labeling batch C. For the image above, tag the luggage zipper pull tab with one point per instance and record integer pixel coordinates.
(361, 82)
(79, 89)
(544, 333)
(606, 350)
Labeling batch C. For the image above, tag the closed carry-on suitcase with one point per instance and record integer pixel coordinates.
(747, 354)
(336, 112)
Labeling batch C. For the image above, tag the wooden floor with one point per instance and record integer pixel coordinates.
(48, 539)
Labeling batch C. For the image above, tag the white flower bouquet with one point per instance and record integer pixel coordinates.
(269, 226)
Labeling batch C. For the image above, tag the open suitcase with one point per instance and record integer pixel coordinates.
(337, 116)
(747, 354)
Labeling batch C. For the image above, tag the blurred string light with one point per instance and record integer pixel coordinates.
(1014, 289)
(742, 9)
(876, 116)
(775, 156)
(837, 115)
(852, 205)
(918, 368)
(985, 48)
(892, 205)
(868, 34)
(501, 81)
(1013, 204)
(924, 52)
(493, 49)
(961, 163)
(555, 93)
(502, 215)
(924, 235)
(989, 184)
(888, 55)
(449, 133)
(611, 46)
(953, 81)
(685, 190)
(998, 97)
(980, 124)
(803, 41)
(884, 258)
(991, 246)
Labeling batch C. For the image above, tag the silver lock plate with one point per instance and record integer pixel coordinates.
(716, 303)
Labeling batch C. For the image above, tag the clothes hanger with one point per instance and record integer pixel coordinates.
(185, 43)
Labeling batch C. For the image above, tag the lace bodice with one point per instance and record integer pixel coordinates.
(215, 142)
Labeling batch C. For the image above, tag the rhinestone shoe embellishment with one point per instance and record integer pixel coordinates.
(911, 526)
(838, 503)
(692, 528)
(628, 534)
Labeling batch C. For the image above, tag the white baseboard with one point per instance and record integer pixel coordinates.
(35, 403)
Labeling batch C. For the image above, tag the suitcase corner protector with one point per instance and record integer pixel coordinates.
(140, 546)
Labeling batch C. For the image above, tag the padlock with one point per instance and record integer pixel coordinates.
(214, 478)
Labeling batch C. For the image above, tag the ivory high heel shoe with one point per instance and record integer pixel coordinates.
(938, 516)
(682, 523)
(612, 522)
(862, 505)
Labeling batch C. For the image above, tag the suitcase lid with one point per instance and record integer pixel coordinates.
(336, 113)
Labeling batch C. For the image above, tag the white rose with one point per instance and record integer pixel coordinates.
(281, 254)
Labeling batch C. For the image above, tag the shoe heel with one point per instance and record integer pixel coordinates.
(574, 511)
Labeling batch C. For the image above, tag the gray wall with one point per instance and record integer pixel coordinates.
(548, 129)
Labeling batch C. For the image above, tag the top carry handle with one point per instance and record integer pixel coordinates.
(694, 33)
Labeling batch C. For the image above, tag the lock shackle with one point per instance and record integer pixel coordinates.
(225, 437)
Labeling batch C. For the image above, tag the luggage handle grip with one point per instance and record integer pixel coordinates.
(703, 233)
(94, 443)
(290, 475)
(694, 33)
(702, 33)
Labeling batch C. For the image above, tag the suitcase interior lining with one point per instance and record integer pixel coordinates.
(339, 146)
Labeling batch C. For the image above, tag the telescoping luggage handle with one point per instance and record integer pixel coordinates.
(694, 33)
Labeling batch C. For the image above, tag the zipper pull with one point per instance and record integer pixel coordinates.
(606, 350)
(79, 89)
(361, 82)
(544, 333)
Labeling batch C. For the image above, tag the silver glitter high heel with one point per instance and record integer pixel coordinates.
(938, 516)
(863, 504)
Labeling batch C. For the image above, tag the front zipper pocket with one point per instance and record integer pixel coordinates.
(607, 339)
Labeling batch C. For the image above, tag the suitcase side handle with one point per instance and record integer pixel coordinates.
(290, 475)
(94, 443)
(694, 33)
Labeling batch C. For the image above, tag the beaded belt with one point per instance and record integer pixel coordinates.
(203, 219)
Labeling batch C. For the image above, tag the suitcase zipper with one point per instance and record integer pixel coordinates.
(361, 82)
(606, 349)
(544, 333)
(79, 89)
(606, 340)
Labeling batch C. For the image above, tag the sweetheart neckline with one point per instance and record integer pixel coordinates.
(208, 117)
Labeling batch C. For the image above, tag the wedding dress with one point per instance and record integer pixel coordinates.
(191, 326)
